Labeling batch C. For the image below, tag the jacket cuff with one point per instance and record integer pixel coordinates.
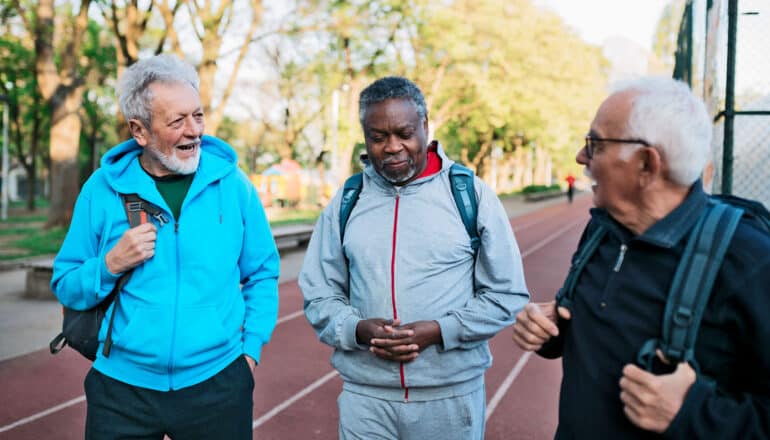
(252, 347)
(450, 332)
(696, 395)
(106, 278)
(348, 334)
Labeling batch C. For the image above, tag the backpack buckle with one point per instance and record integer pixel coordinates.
(134, 206)
(682, 317)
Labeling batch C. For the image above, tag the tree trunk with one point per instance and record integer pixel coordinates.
(65, 142)
(63, 91)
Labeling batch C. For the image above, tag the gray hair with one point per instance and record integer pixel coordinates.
(134, 94)
(668, 115)
(391, 87)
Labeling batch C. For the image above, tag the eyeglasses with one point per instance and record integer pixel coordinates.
(591, 141)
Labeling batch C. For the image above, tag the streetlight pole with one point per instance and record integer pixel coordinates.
(4, 201)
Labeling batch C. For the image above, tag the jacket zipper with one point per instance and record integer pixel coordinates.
(393, 288)
(621, 256)
(176, 309)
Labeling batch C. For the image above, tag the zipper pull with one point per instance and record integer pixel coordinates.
(619, 262)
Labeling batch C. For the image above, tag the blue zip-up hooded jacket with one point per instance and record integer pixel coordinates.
(207, 296)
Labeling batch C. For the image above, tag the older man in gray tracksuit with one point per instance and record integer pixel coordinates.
(403, 298)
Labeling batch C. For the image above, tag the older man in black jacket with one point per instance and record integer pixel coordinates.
(645, 151)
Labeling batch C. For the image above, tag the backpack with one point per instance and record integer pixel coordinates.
(463, 192)
(80, 328)
(693, 280)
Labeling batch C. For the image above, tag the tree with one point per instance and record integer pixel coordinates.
(61, 85)
(503, 77)
(509, 76)
(211, 22)
(28, 115)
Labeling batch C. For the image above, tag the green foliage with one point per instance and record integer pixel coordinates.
(511, 72)
(295, 216)
(495, 74)
(529, 189)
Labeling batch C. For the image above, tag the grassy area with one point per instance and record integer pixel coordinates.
(34, 243)
(27, 219)
(294, 216)
(16, 231)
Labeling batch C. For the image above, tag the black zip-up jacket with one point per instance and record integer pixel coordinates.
(619, 303)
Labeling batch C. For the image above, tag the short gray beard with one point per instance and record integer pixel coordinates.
(399, 179)
(177, 165)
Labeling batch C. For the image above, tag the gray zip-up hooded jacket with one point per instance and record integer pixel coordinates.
(406, 254)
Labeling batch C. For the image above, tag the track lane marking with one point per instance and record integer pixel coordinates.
(44, 413)
(514, 373)
(82, 397)
(288, 402)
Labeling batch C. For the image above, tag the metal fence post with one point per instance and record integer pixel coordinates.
(727, 152)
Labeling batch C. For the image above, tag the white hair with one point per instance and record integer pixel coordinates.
(667, 114)
(133, 89)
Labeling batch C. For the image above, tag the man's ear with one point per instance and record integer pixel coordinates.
(651, 166)
(138, 131)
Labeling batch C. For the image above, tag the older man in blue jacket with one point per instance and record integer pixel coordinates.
(203, 298)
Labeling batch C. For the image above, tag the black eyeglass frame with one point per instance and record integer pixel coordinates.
(589, 140)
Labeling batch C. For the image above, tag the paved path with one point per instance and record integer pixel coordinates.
(296, 388)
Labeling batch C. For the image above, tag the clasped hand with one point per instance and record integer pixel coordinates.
(390, 340)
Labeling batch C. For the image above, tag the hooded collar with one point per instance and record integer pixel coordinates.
(669, 230)
(124, 173)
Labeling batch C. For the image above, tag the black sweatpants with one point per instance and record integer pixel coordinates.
(218, 408)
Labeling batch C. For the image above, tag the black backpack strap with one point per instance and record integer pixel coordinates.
(350, 193)
(692, 286)
(137, 210)
(566, 294)
(464, 193)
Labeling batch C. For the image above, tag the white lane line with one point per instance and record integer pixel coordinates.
(82, 398)
(500, 393)
(34, 417)
(297, 396)
(290, 316)
(492, 405)
(288, 402)
(551, 238)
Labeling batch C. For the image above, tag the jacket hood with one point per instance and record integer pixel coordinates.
(124, 174)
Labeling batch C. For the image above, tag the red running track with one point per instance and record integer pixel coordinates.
(296, 389)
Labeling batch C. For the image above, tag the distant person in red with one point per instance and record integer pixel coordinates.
(570, 187)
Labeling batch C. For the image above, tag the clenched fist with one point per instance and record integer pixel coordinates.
(136, 246)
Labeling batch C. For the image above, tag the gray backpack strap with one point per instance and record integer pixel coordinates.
(464, 193)
(692, 286)
(350, 193)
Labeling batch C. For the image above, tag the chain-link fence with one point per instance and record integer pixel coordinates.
(727, 61)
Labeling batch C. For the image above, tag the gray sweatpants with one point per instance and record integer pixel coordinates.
(454, 418)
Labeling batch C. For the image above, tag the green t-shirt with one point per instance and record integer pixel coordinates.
(173, 188)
